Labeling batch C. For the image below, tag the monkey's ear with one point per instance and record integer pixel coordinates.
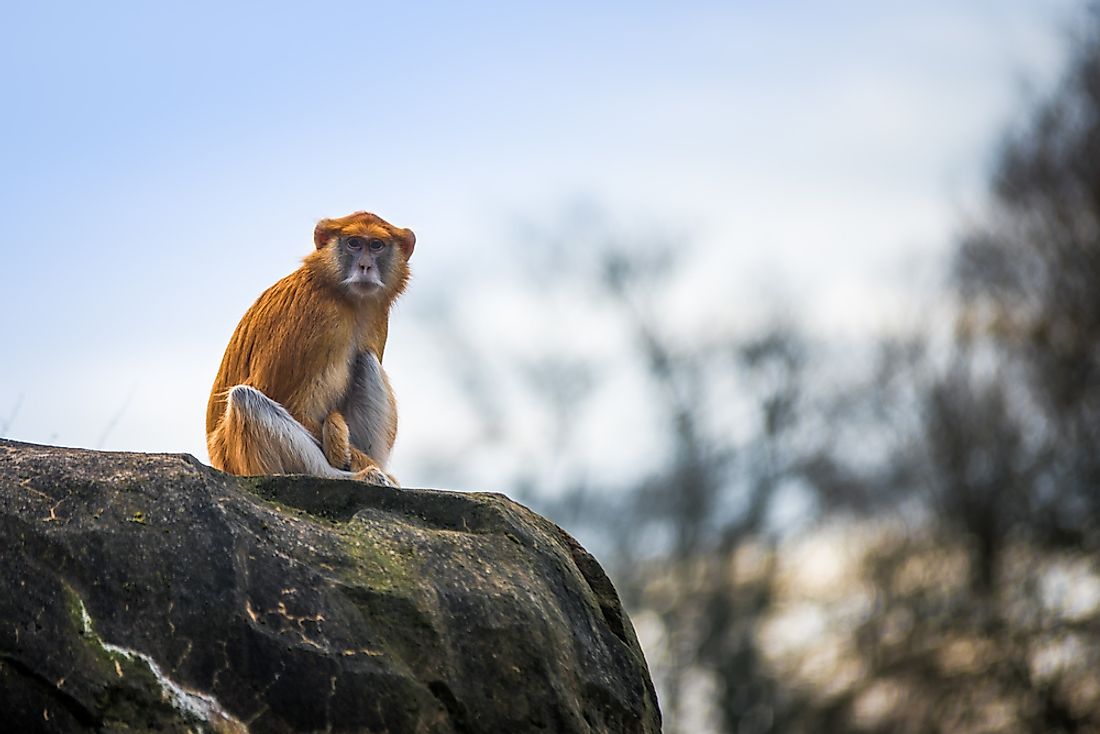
(323, 233)
(408, 242)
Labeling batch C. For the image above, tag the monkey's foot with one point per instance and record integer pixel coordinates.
(374, 475)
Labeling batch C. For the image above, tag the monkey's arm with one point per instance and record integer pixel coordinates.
(336, 441)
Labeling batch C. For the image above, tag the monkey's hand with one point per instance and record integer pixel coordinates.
(367, 470)
(336, 441)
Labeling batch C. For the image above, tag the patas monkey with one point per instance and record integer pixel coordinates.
(301, 389)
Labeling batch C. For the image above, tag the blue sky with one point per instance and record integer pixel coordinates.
(165, 162)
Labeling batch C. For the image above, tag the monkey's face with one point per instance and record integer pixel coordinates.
(366, 255)
(367, 263)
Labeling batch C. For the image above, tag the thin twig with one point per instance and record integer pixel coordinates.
(12, 415)
(117, 417)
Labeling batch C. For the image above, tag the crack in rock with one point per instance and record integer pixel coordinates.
(193, 704)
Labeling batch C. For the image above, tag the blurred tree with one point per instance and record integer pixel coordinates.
(967, 631)
(978, 461)
(1030, 285)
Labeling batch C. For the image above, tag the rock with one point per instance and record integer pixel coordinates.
(147, 592)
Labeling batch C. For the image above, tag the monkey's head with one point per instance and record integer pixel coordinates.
(366, 255)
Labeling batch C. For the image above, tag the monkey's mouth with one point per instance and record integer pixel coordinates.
(366, 284)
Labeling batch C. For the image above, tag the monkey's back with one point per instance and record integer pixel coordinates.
(295, 334)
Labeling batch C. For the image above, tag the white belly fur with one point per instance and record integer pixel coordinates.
(367, 408)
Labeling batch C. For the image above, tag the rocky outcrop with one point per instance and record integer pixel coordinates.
(151, 592)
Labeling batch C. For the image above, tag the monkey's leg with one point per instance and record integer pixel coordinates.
(259, 436)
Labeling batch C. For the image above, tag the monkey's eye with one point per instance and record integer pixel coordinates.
(355, 243)
(376, 245)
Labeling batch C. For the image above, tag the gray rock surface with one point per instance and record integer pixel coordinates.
(147, 592)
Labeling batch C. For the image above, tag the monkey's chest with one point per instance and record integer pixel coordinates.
(368, 407)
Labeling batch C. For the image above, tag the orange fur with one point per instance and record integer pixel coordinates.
(300, 345)
(336, 441)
